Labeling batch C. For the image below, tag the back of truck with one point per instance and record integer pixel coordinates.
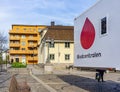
(96, 37)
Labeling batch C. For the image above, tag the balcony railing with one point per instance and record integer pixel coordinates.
(23, 52)
(33, 38)
(14, 38)
(23, 32)
(33, 58)
(32, 45)
(14, 45)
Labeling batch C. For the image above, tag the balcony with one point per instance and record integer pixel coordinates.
(14, 38)
(23, 51)
(33, 58)
(14, 45)
(31, 51)
(32, 45)
(33, 39)
(23, 32)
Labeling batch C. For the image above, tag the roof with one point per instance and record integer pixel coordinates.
(60, 33)
(28, 25)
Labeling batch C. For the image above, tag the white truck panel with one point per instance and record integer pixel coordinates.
(105, 50)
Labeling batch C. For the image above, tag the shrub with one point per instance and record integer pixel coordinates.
(19, 65)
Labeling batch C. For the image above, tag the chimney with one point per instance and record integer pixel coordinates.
(52, 23)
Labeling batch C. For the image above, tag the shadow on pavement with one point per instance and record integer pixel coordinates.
(90, 85)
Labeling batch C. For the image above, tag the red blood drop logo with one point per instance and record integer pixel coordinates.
(87, 36)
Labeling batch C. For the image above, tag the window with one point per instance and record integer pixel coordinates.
(11, 35)
(17, 59)
(52, 56)
(31, 48)
(17, 29)
(34, 29)
(67, 45)
(11, 48)
(23, 48)
(67, 56)
(16, 48)
(31, 43)
(29, 29)
(23, 43)
(17, 36)
(16, 42)
(39, 29)
(103, 26)
(23, 36)
(31, 36)
(51, 45)
(24, 29)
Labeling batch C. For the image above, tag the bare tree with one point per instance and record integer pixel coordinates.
(3, 46)
(3, 42)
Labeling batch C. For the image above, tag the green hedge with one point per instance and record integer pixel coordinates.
(19, 65)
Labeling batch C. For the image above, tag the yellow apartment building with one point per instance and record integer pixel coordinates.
(23, 41)
(56, 45)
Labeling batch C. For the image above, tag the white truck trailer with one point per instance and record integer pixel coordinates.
(97, 36)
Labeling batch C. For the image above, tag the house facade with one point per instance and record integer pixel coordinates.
(56, 45)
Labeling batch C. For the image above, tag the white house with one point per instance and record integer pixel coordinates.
(56, 45)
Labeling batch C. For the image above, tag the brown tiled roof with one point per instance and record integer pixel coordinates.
(60, 33)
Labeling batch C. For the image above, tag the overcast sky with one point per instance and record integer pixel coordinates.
(40, 12)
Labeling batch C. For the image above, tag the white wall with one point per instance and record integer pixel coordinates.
(59, 51)
(108, 45)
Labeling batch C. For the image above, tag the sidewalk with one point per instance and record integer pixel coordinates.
(4, 81)
(35, 69)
